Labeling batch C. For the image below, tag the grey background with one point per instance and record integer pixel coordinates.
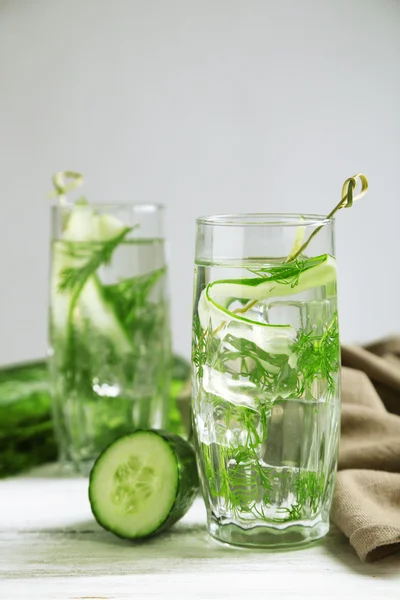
(207, 106)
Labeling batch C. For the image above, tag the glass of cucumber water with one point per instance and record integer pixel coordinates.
(109, 326)
(266, 376)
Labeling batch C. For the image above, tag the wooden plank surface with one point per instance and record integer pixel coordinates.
(50, 547)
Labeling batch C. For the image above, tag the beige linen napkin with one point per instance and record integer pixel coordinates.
(366, 505)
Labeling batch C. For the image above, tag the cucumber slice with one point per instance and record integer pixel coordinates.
(143, 483)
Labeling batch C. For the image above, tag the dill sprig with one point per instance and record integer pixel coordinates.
(318, 358)
(289, 273)
(92, 255)
(205, 346)
(130, 299)
(256, 365)
(309, 490)
(239, 477)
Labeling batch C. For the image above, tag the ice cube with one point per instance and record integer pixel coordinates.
(285, 313)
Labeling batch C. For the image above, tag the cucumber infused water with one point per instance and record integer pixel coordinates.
(266, 376)
(109, 329)
(266, 396)
(266, 373)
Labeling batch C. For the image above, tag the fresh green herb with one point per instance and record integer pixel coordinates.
(309, 489)
(130, 300)
(256, 365)
(235, 473)
(313, 358)
(265, 370)
(205, 346)
(289, 273)
(92, 255)
(199, 357)
(318, 358)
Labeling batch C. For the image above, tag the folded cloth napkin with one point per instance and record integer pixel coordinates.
(366, 505)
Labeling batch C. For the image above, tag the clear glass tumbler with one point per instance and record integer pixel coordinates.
(109, 326)
(266, 376)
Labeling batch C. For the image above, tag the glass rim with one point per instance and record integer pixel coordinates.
(264, 219)
(140, 207)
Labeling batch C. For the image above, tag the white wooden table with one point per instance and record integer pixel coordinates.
(50, 547)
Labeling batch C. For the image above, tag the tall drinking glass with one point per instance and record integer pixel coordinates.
(266, 366)
(109, 326)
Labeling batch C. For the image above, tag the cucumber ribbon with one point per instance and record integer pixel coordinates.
(64, 182)
(214, 311)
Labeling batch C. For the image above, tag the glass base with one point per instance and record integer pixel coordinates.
(71, 468)
(292, 536)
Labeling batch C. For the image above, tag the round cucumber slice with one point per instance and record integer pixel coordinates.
(143, 483)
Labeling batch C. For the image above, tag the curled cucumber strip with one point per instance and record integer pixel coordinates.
(214, 311)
